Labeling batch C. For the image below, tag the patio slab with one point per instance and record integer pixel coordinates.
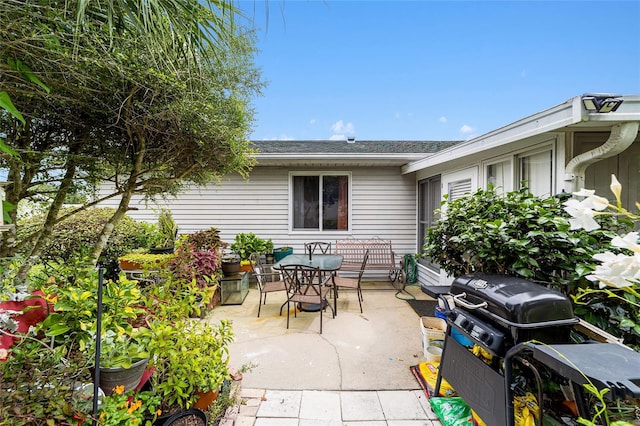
(356, 352)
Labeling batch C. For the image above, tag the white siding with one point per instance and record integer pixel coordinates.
(383, 205)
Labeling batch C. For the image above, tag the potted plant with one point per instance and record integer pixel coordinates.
(143, 261)
(123, 359)
(280, 252)
(129, 407)
(268, 252)
(230, 264)
(189, 358)
(166, 232)
(245, 244)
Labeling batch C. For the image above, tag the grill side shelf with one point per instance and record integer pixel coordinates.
(479, 385)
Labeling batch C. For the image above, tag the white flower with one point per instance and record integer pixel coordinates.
(616, 270)
(616, 187)
(582, 215)
(585, 192)
(629, 241)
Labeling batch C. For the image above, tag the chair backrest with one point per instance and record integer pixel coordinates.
(365, 259)
(318, 247)
(259, 271)
(298, 277)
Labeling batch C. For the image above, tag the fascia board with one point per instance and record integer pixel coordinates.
(339, 157)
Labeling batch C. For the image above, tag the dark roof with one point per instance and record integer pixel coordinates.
(338, 147)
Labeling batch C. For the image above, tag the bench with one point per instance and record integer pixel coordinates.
(381, 255)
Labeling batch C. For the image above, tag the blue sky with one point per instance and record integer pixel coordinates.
(433, 70)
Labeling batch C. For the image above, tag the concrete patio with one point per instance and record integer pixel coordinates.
(355, 373)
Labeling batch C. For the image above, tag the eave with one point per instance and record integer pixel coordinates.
(568, 115)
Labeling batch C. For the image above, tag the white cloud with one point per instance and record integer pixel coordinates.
(442, 119)
(342, 127)
(466, 129)
(312, 121)
(397, 115)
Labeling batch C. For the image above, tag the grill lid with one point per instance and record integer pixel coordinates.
(517, 301)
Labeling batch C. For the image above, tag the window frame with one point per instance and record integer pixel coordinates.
(518, 169)
(320, 174)
(428, 203)
(507, 185)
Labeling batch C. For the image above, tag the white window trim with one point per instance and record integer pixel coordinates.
(509, 181)
(318, 173)
(550, 146)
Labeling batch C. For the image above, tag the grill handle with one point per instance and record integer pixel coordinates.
(458, 299)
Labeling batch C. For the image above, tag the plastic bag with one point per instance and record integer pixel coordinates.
(452, 411)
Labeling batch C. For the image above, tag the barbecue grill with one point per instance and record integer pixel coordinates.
(499, 311)
(519, 323)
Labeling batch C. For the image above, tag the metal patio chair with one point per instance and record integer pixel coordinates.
(305, 286)
(268, 282)
(354, 283)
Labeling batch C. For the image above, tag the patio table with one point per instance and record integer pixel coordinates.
(326, 263)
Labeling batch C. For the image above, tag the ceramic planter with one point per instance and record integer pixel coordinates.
(281, 252)
(230, 268)
(128, 377)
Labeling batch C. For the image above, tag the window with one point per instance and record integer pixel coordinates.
(429, 199)
(536, 172)
(321, 202)
(499, 176)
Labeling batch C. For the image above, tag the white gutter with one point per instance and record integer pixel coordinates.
(621, 138)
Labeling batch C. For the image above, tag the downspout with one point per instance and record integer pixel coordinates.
(621, 138)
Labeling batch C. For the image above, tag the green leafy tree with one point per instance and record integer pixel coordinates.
(116, 113)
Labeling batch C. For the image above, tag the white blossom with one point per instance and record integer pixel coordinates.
(629, 242)
(616, 187)
(616, 270)
(581, 215)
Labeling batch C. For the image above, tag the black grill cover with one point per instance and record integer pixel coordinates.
(514, 302)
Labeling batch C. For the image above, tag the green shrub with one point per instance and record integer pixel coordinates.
(79, 233)
(516, 234)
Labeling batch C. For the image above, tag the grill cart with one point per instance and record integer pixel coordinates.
(524, 349)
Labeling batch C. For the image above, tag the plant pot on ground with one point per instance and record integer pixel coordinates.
(188, 357)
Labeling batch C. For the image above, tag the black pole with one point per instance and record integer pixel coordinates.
(96, 370)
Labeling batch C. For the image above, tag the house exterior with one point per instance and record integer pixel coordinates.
(328, 190)
(576, 144)
(363, 191)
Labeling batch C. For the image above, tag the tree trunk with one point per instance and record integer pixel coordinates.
(127, 193)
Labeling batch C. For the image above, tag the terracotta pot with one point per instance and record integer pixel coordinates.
(246, 268)
(127, 265)
(205, 399)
